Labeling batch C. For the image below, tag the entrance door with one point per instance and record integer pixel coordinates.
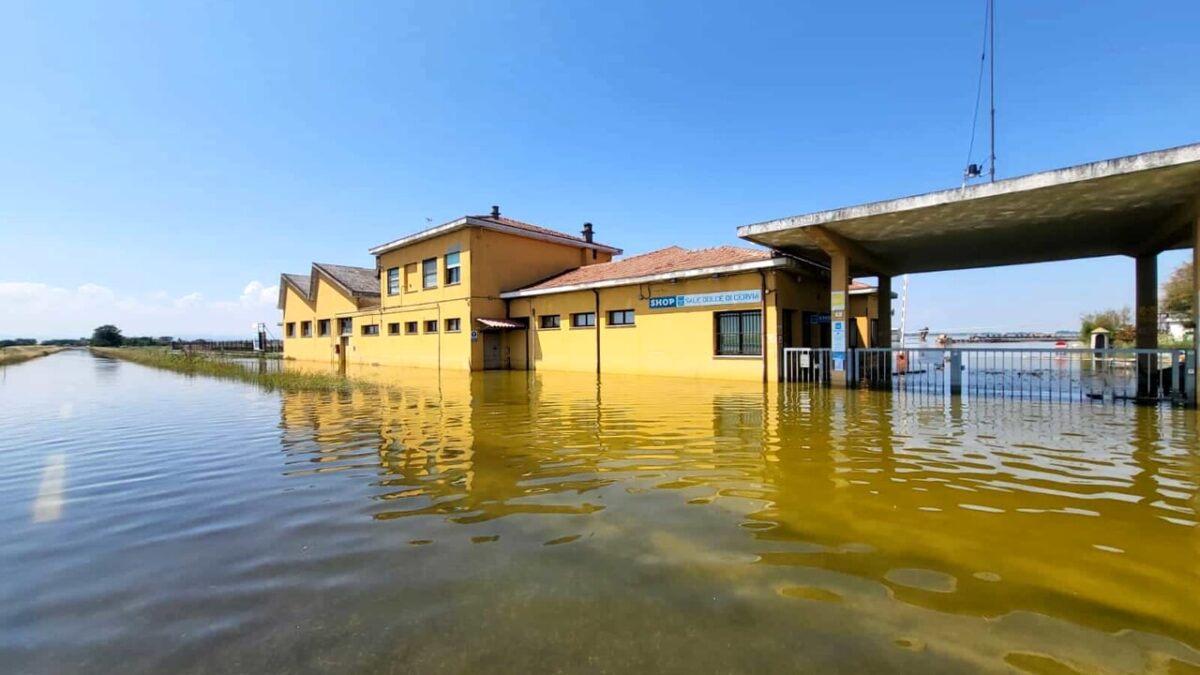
(343, 347)
(491, 350)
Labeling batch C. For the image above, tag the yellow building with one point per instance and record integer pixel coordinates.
(493, 293)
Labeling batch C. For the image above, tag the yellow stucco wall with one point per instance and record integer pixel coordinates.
(330, 303)
(679, 342)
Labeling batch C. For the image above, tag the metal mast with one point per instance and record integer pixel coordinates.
(992, 83)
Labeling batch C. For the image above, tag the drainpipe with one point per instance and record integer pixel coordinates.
(596, 292)
(529, 335)
(763, 299)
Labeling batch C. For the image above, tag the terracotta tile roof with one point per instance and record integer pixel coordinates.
(662, 261)
(360, 280)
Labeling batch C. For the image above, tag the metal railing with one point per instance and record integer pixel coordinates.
(805, 364)
(1045, 374)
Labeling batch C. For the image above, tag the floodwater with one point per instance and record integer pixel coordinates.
(531, 523)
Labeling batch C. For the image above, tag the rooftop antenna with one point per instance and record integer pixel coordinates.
(988, 54)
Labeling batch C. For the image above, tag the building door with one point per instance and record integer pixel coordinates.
(491, 350)
(343, 347)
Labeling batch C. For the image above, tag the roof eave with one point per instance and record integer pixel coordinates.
(653, 278)
(468, 221)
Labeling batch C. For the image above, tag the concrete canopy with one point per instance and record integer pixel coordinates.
(1132, 205)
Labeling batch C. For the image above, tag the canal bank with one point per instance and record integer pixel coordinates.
(521, 522)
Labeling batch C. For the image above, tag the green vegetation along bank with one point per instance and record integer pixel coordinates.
(191, 363)
(11, 355)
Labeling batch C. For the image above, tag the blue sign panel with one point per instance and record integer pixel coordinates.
(707, 299)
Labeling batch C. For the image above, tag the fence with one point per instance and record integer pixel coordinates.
(1031, 373)
(229, 346)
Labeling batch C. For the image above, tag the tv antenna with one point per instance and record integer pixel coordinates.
(987, 56)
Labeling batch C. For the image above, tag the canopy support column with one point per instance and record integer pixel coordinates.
(1146, 324)
(1194, 376)
(839, 285)
(883, 331)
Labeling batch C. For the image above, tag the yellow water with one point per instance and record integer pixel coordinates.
(519, 522)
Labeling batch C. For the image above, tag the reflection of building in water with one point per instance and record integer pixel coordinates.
(477, 447)
(492, 293)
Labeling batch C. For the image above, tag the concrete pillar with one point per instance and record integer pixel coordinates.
(1194, 376)
(839, 285)
(883, 332)
(1146, 324)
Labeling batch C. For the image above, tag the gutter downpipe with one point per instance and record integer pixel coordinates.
(596, 292)
(763, 274)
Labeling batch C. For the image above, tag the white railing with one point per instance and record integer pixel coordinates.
(1017, 372)
(804, 364)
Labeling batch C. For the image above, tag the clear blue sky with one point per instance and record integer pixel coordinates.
(161, 163)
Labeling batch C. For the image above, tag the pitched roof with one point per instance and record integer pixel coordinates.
(500, 224)
(359, 281)
(299, 282)
(665, 261)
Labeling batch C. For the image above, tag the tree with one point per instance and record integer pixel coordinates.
(1177, 292)
(107, 336)
(1118, 322)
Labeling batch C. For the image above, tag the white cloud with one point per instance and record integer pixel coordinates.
(33, 309)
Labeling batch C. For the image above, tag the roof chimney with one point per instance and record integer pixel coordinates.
(587, 232)
(495, 211)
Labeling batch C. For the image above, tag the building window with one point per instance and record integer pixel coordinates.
(305, 329)
(548, 321)
(393, 328)
(410, 327)
(410, 278)
(453, 269)
(393, 281)
(739, 333)
(291, 329)
(345, 326)
(453, 325)
(620, 317)
(431, 326)
(322, 327)
(370, 329)
(429, 273)
(583, 320)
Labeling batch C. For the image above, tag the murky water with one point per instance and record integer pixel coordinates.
(514, 523)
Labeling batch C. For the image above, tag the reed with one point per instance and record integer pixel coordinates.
(11, 355)
(197, 364)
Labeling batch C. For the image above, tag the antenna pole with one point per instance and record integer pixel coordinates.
(992, 82)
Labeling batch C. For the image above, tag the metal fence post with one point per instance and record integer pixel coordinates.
(955, 367)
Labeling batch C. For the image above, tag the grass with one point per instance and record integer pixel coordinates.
(17, 354)
(196, 364)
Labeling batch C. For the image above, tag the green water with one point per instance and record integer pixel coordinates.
(544, 523)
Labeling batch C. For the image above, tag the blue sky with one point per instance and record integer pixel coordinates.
(161, 163)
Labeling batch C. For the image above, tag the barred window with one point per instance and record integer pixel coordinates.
(393, 281)
(429, 273)
(738, 333)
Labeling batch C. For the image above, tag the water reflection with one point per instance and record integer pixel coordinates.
(1051, 516)
(517, 522)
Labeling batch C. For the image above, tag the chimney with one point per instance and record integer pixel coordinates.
(495, 211)
(587, 232)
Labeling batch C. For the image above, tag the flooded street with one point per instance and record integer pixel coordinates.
(515, 522)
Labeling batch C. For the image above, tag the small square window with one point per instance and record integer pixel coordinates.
(393, 329)
(548, 321)
(393, 281)
(453, 325)
(431, 326)
(410, 327)
(620, 317)
(370, 329)
(583, 320)
(322, 327)
(291, 329)
(305, 329)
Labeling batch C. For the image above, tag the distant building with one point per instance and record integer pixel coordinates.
(489, 292)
